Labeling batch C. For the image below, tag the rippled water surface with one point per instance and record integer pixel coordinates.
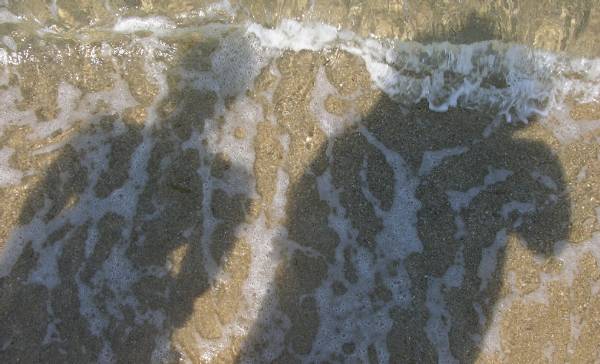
(306, 181)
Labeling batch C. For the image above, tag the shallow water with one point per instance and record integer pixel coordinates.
(299, 182)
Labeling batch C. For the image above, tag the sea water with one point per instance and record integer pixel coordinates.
(228, 182)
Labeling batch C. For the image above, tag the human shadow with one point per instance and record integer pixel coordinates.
(475, 28)
(126, 228)
(401, 224)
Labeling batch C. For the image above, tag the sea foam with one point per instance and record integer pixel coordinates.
(516, 81)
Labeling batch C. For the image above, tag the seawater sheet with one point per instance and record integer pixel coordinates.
(227, 191)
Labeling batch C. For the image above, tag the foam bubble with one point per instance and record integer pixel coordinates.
(8, 175)
(236, 63)
(134, 24)
(8, 17)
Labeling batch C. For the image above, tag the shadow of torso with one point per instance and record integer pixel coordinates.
(132, 260)
(124, 227)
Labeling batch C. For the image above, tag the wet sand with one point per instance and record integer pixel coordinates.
(507, 215)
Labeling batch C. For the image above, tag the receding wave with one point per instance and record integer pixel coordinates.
(199, 186)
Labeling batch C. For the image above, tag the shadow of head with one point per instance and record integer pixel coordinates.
(468, 28)
(403, 223)
(126, 226)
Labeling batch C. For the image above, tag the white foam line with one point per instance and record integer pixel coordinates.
(354, 316)
(432, 159)
(399, 235)
(536, 81)
(439, 322)
(136, 24)
(344, 318)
